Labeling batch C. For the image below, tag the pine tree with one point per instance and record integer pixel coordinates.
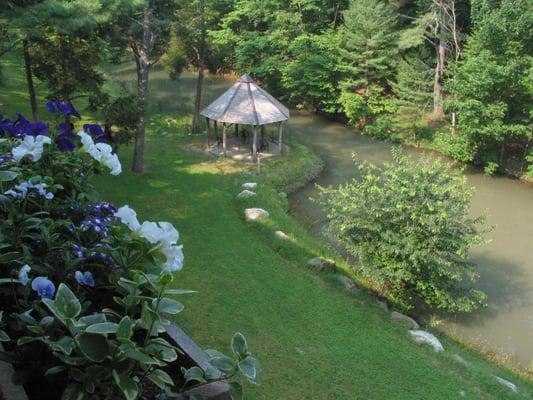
(368, 44)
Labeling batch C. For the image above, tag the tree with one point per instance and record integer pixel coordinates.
(438, 25)
(408, 223)
(193, 18)
(491, 92)
(368, 51)
(311, 74)
(142, 27)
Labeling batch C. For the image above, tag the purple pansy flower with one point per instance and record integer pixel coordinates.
(44, 287)
(4, 159)
(99, 135)
(65, 139)
(63, 108)
(84, 278)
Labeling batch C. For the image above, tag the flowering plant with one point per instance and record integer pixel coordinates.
(85, 287)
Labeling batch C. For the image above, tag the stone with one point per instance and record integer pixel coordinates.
(462, 393)
(282, 195)
(460, 360)
(252, 214)
(282, 236)
(401, 319)
(420, 336)
(506, 383)
(321, 263)
(246, 194)
(348, 283)
(249, 185)
(383, 305)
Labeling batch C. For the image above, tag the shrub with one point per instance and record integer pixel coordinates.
(84, 286)
(408, 223)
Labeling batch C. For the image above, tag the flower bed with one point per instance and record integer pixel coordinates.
(86, 289)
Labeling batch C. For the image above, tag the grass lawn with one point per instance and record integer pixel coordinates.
(315, 340)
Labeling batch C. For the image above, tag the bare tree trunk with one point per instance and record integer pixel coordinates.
(438, 110)
(200, 58)
(143, 69)
(29, 78)
(198, 99)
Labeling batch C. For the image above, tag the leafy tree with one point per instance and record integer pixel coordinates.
(368, 50)
(142, 27)
(408, 223)
(311, 75)
(439, 24)
(492, 90)
(59, 39)
(193, 47)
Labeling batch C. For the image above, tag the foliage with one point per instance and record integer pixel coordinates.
(408, 223)
(87, 285)
(312, 73)
(367, 58)
(63, 38)
(492, 92)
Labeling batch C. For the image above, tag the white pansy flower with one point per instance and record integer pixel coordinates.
(31, 145)
(101, 152)
(107, 158)
(23, 275)
(174, 256)
(162, 234)
(128, 216)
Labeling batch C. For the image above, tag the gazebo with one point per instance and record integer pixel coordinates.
(245, 103)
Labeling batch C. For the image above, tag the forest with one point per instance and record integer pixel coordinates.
(452, 75)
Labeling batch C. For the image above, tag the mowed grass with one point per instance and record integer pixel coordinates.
(315, 340)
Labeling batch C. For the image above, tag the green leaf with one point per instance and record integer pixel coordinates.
(7, 176)
(8, 281)
(239, 345)
(177, 292)
(92, 319)
(67, 302)
(160, 378)
(193, 374)
(167, 306)
(221, 361)
(160, 348)
(73, 391)
(64, 345)
(125, 328)
(103, 328)
(235, 391)
(4, 337)
(127, 385)
(93, 345)
(250, 368)
(54, 370)
(137, 355)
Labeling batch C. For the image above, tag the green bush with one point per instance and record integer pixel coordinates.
(408, 223)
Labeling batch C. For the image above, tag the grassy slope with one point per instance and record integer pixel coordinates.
(315, 340)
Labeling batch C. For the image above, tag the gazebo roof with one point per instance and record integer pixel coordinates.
(246, 103)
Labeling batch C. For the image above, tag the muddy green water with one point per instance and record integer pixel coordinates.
(505, 264)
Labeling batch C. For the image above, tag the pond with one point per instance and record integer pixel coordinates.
(505, 264)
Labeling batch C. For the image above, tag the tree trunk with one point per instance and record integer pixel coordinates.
(437, 84)
(197, 100)
(29, 78)
(143, 69)
(200, 59)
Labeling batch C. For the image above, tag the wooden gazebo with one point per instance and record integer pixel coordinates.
(245, 103)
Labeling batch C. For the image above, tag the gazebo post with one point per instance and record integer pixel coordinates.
(224, 139)
(207, 131)
(216, 130)
(254, 144)
(280, 130)
(236, 130)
